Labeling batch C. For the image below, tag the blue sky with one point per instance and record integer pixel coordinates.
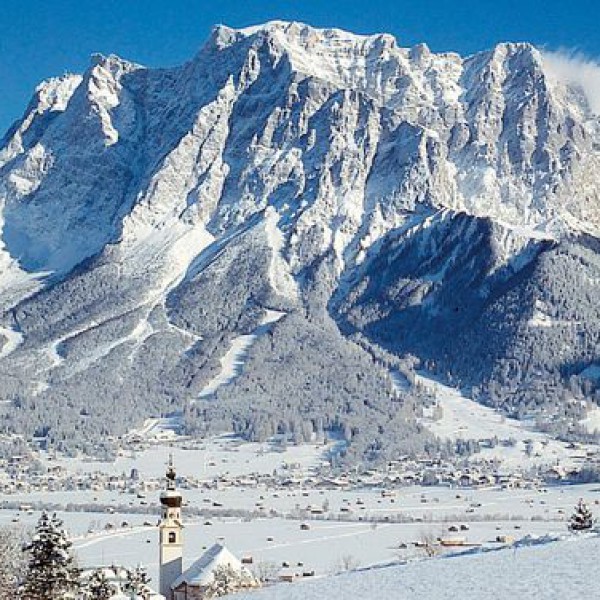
(39, 39)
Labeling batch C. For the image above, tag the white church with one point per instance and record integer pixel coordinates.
(215, 573)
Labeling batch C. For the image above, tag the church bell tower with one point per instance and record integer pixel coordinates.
(170, 534)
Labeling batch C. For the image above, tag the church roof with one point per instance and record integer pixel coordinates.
(200, 573)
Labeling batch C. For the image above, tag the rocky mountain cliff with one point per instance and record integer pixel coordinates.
(340, 201)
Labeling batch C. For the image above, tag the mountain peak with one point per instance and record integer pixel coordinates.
(287, 170)
(300, 36)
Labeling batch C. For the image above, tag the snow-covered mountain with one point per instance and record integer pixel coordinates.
(382, 200)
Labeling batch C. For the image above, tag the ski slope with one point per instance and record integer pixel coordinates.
(10, 339)
(592, 421)
(232, 363)
(463, 418)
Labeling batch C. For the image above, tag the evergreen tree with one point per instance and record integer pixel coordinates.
(582, 518)
(137, 584)
(98, 587)
(51, 573)
(12, 561)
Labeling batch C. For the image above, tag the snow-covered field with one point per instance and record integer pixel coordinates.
(222, 455)
(551, 571)
(344, 535)
(327, 543)
(331, 538)
(323, 548)
(463, 418)
(430, 504)
(10, 339)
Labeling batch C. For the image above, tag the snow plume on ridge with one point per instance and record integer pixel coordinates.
(573, 68)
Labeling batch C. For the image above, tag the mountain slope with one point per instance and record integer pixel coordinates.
(148, 217)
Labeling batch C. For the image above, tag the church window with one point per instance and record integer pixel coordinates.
(172, 537)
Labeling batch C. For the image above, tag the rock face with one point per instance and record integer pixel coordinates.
(417, 203)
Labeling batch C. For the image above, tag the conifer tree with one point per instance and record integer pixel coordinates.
(137, 583)
(98, 587)
(12, 561)
(582, 518)
(51, 573)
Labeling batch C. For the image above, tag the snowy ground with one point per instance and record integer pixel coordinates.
(156, 429)
(465, 419)
(486, 512)
(10, 339)
(323, 548)
(545, 571)
(222, 455)
(592, 421)
(425, 503)
(330, 540)
(554, 570)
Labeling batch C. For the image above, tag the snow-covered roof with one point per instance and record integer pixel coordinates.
(200, 573)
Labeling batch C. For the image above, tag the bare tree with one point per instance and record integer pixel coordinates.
(266, 571)
(348, 562)
(428, 543)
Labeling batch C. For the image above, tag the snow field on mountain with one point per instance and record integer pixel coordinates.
(592, 421)
(279, 273)
(232, 363)
(156, 429)
(165, 257)
(12, 339)
(463, 418)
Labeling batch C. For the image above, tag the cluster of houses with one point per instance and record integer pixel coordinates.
(22, 474)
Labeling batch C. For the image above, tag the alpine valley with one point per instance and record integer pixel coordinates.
(285, 233)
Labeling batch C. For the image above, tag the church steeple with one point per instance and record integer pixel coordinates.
(170, 533)
(171, 475)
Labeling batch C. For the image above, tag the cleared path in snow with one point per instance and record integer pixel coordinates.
(232, 363)
(12, 341)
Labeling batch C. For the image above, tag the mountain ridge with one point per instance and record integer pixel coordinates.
(150, 216)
